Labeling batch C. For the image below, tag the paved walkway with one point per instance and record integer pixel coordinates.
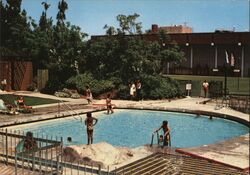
(233, 152)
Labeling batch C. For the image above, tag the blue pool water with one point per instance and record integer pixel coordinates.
(134, 128)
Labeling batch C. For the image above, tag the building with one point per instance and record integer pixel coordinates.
(205, 52)
(172, 29)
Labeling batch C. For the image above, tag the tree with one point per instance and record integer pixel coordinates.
(17, 34)
(3, 24)
(43, 22)
(110, 30)
(128, 24)
(172, 54)
(62, 6)
(43, 40)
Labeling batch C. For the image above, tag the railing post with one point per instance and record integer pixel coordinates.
(57, 158)
(58, 109)
(6, 145)
(46, 156)
(40, 157)
(51, 156)
(78, 164)
(28, 161)
(99, 169)
(33, 161)
(22, 164)
(91, 168)
(15, 162)
(61, 151)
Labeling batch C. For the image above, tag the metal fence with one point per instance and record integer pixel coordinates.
(240, 102)
(47, 158)
(44, 159)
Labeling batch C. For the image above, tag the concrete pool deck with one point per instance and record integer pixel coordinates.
(233, 152)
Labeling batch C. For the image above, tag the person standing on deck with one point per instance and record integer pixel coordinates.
(205, 88)
(132, 91)
(109, 105)
(89, 96)
(89, 122)
(138, 90)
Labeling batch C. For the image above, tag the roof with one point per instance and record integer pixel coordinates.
(197, 38)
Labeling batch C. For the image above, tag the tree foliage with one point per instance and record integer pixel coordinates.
(105, 63)
(127, 25)
(15, 28)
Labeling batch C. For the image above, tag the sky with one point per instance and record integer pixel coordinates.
(201, 15)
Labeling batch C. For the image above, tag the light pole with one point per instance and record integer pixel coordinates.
(238, 72)
(225, 80)
(163, 48)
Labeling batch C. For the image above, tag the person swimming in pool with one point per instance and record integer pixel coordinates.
(29, 142)
(161, 140)
(166, 130)
(89, 122)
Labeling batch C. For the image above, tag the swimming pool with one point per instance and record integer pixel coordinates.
(133, 128)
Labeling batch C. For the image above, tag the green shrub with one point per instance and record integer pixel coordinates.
(52, 86)
(158, 87)
(31, 87)
(123, 92)
(116, 81)
(153, 87)
(97, 87)
(80, 81)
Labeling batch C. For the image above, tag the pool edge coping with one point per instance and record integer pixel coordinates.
(198, 112)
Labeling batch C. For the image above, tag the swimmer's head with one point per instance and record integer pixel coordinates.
(69, 139)
(165, 122)
(89, 114)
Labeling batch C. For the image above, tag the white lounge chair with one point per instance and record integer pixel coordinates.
(5, 110)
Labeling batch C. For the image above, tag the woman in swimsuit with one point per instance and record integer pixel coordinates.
(89, 122)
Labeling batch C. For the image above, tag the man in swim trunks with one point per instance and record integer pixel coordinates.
(166, 130)
(89, 122)
(109, 105)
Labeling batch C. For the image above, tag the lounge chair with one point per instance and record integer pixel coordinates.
(23, 109)
(5, 110)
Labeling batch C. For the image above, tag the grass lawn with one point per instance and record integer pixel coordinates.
(30, 101)
(232, 82)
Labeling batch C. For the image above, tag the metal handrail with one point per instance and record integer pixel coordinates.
(71, 109)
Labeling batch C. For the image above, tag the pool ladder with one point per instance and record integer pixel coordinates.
(68, 109)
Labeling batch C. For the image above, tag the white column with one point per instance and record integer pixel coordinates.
(191, 57)
(242, 61)
(216, 58)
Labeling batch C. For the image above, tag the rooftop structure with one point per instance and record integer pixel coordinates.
(172, 29)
